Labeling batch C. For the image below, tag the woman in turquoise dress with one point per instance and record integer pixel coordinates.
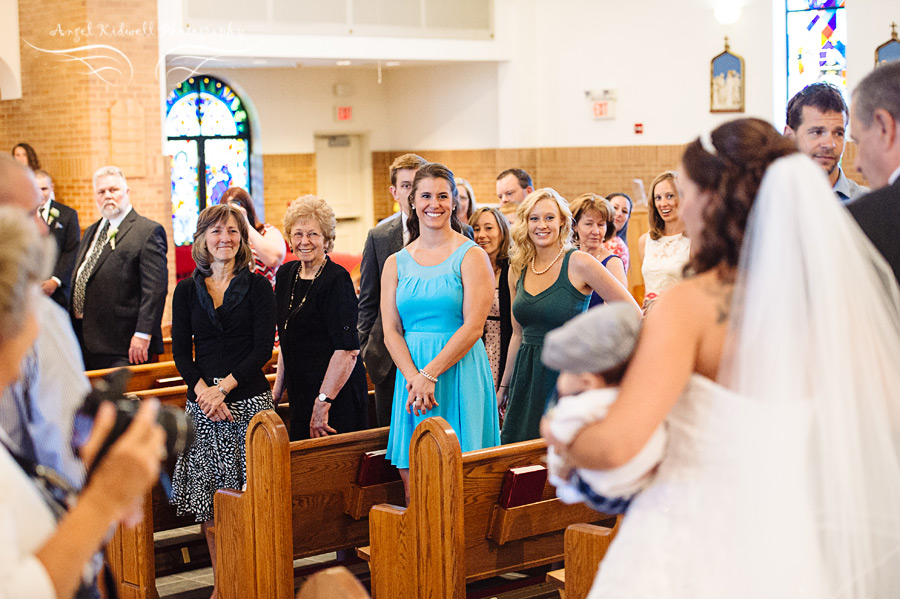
(549, 283)
(436, 295)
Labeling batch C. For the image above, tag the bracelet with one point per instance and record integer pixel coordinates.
(431, 378)
(222, 391)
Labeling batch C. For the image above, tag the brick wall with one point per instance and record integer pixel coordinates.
(77, 122)
(571, 171)
(287, 177)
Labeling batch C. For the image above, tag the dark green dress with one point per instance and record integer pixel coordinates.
(532, 383)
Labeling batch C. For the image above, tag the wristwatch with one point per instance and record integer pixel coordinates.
(325, 398)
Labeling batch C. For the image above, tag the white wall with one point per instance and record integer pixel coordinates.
(294, 104)
(526, 87)
(443, 107)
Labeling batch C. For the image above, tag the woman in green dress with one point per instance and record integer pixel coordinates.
(549, 283)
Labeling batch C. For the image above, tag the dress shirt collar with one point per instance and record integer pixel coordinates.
(894, 176)
(45, 210)
(842, 186)
(115, 222)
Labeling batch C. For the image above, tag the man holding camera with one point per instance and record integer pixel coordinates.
(52, 371)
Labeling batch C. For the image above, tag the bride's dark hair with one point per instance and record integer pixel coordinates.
(744, 149)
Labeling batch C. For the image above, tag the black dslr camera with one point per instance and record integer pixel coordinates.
(178, 427)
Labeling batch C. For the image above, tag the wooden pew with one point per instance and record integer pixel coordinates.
(301, 500)
(159, 374)
(454, 532)
(585, 546)
(131, 552)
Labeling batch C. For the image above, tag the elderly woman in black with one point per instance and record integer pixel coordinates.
(223, 326)
(319, 363)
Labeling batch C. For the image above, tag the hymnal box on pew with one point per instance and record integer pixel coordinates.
(523, 485)
(375, 469)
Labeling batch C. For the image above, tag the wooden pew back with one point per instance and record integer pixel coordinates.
(432, 548)
(155, 374)
(300, 500)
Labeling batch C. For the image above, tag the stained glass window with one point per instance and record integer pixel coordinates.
(816, 43)
(208, 132)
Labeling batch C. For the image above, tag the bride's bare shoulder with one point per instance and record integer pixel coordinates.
(704, 298)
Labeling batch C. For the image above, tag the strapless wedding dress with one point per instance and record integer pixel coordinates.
(725, 517)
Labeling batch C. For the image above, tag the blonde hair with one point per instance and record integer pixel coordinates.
(523, 249)
(26, 258)
(312, 207)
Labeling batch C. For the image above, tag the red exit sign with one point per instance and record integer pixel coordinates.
(344, 113)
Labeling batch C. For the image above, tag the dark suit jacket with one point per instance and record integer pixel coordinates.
(126, 292)
(878, 213)
(382, 241)
(67, 232)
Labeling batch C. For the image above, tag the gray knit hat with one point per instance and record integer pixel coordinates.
(596, 341)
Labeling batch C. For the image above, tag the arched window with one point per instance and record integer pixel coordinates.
(816, 43)
(208, 132)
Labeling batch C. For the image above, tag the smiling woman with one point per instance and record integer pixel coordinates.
(223, 326)
(664, 249)
(436, 294)
(549, 282)
(317, 310)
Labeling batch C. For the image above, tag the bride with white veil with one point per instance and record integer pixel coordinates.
(774, 367)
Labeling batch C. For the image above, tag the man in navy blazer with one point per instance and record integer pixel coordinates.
(63, 224)
(875, 125)
(120, 280)
(385, 239)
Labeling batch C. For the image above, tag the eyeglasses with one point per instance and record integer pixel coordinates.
(312, 236)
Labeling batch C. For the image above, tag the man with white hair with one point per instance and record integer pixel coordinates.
(120, 281)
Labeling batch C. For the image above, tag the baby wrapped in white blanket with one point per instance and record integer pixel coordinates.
(591, 352)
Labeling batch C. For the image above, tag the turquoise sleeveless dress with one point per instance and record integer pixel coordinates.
(430, 303)
(532, 383)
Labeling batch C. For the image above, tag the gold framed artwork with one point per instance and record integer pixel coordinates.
(889, 51)
(726, 82)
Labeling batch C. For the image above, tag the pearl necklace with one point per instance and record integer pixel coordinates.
(549, 266)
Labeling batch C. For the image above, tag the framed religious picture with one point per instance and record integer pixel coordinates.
(889, 51)
(726, 84)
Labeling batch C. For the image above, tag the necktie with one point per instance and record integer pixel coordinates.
(89, 263)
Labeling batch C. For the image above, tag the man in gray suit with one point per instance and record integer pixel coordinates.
(385, 239)
(120, 281)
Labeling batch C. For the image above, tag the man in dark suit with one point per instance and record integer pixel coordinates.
(120, 280)
(875, 125)
(63, 224)
(385, 239)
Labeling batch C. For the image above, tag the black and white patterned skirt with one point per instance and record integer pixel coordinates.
(217, 459)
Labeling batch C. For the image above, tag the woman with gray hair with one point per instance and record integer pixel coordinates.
(46, 540)
(319, 363)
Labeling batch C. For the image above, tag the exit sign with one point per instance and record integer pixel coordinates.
(604, 109)
(343, 113)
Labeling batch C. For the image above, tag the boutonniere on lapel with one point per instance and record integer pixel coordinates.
(54, 216)
(111, 236)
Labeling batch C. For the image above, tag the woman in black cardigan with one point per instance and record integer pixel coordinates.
(492, 233)
(223, 327)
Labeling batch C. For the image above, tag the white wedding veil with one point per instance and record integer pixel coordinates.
(816, 318)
